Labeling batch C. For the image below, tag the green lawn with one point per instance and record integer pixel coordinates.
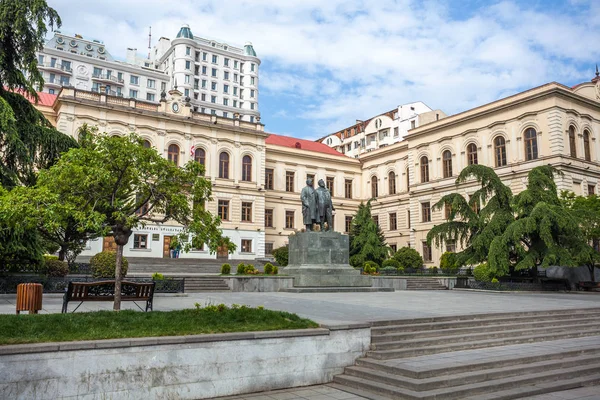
(38, 328)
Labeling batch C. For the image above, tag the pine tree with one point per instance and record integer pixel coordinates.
(367, 242)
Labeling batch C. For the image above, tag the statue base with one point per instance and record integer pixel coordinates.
(320, 260)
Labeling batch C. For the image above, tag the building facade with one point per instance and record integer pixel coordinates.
(382, 130)
(219, 78)
(257, 177)
(84, 64)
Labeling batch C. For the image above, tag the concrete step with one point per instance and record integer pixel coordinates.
(398, 334)
(335, 289)
(479, 320)
(205, 284)
(444, 337)
(469, 364)
(449, 346)
(476, 374)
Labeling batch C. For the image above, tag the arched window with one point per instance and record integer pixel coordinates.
(586, 145)
(200, 156)
(224, 165)
(392, 182)
(146, 144)
(500, 151)
(247, 168)
(572, 142)
(173, 154)
(472, 154)
(374, 188)
(424, 169)
(531, 150)
(447, 163)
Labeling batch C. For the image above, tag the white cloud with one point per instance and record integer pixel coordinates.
(331, 62)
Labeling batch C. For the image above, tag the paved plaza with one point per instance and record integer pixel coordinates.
(344, 308)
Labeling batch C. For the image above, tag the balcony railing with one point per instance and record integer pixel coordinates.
(56, 66)
(109, 78)
(108, 92)
(58, 82)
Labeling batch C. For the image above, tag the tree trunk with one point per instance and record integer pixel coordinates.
(592, 268)
(62, 253)
(121, 235)
(118, 278)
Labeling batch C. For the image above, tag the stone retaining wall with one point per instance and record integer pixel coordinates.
(183, 367)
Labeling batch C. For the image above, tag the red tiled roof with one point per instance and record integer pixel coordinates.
(301, 144)
(45, 99)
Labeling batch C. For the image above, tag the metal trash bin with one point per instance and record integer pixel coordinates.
(29, 297)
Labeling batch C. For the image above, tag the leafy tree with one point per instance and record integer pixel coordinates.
(281, 255)
(114, 184)
(586, 210)
(475, 231)
(408, 258)
(448, 263)
(367, 242)
(543, 233)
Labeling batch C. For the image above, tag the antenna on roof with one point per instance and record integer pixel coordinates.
(149, 40)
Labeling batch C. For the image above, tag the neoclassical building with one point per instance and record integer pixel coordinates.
(257, 177)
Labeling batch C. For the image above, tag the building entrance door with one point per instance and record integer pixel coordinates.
(222, 253)
(167, 247)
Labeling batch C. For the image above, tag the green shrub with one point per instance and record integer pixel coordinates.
(495, 280)
(434, 270)
(50, 257)
(372, 265)
(157, 276)
(482, 273)
(275, 270)
(268, 268)
(55, 267)
(225, 269)
(281, 255)
(368, 269)
(409, 258)
(449, 263)
(241, 269)
(250, 269)
(357, 260)
(103, 265)
(391, 263)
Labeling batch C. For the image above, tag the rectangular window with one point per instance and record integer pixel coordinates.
(252, 67)
(213, 99)
(591, 190)
(252, 105)
(213, 86)
(268, 178)
(40, 59)
(97, 72)
(140, 241)
(204, 70)
(235, 90)
(451, 246)
(226, 62)
(447, 210)
(215, 59)
(310, 176)
(65, 80)
(252, 80)
(246, 246)
(150, 96)
(188, 50)
(134, 80)
(133, 93)
(225, 88)
(204, 56)
(393, 222)
(226, 75)
(246, 211)
(235, 78)
(412, 124)
(289, 181)
(268, 217)
(347, 223)
(252, 93)
(186, 79)
(235, 103)
(408, 218)
(348, 188)
(330, 183)
(214, 72)
(163, 85)
(427, 257)
(188, 65)
(376, 219)
(394, 247)
(223, 209)
(425, 212)
(186, 92)
(269, 248)
(204, 82)
(235, 64)
(396, 132)
(203, 97)
(225, 114)
(225, 102)
(151, 84)
(289, 219)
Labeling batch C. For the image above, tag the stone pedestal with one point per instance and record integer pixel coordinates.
(320, 260)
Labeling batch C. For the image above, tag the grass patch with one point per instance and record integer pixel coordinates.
(15, 329)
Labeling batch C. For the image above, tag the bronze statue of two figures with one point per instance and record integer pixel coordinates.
(317, 207)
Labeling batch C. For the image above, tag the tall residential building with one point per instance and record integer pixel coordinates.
(220, 79)
(382, 130)
(87, 65)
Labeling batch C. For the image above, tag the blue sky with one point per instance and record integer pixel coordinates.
(327, 63)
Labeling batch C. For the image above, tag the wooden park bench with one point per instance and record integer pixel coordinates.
(589, 285)
(104, 291)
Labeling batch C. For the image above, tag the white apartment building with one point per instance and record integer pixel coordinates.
(87, 65)
(382, 130)
(220, 79)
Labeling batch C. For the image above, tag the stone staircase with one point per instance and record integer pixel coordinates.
(423, 283)
(148, 266)
(494, 356)
(199, 284)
